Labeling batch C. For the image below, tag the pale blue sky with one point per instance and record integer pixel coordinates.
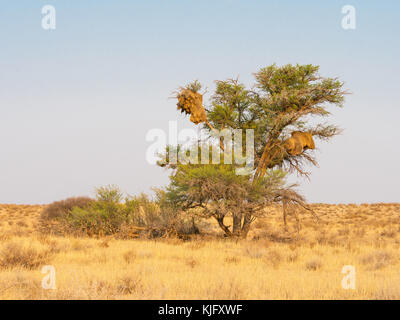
(76, 102)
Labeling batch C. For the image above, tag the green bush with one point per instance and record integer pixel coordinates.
(112, 214)
(60, 209)
(103, 216)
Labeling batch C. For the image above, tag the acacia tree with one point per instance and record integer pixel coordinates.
(282, 100)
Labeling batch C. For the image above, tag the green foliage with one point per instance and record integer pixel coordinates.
(275, 80)
(109, 194)
(112, 214)
(230, 106)
(106, 215)
(201, 185)
(195, 86)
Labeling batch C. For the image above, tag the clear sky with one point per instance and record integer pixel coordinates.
(76, 102)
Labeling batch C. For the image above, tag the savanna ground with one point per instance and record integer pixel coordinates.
(270, 264)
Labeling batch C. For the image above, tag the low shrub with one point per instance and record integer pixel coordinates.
(104, 216)
(110, 214)
(60, 209)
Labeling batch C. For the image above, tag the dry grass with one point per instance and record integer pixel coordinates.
(13, 255)
(271, 264)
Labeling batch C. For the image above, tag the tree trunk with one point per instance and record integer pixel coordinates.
(284, 209)
(237, 224)
(262, 164)
(225, 228)
(239, 230)
(246, 224)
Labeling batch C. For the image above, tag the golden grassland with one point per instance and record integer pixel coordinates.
(270, 264)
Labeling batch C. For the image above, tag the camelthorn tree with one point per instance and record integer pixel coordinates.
(282, 100)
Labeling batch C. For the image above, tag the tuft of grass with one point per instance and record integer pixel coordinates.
(80, 245)
(314, 264)
(104, 243)
(233, 260)
(377, 260)
(274, 257)
(129, 256)
(22, 224)
(129, 285)
(15, 255)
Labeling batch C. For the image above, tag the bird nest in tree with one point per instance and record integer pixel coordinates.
(191, 103)
(294, 146)
(299, 142)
